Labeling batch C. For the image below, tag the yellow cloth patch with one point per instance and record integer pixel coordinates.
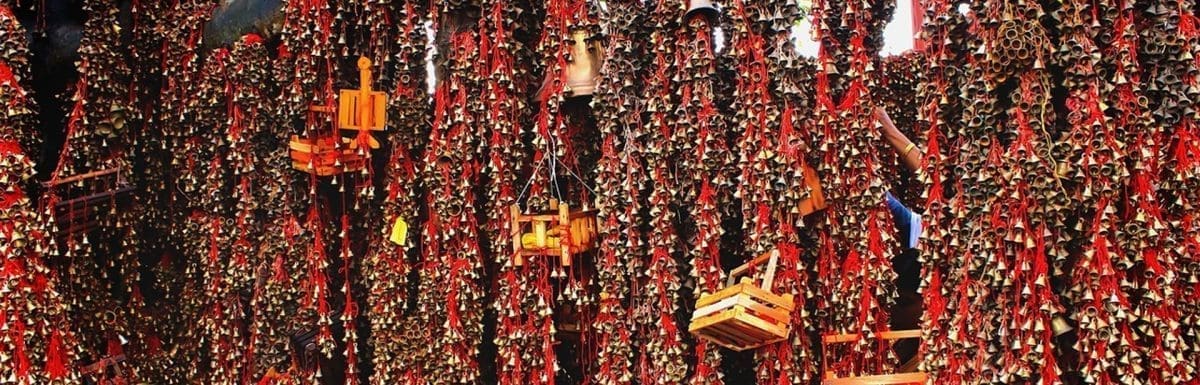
(399, 232)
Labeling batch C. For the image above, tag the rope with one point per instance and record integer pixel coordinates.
(528, 182)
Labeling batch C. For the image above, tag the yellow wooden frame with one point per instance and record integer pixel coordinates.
(580, 225)
(316, 156)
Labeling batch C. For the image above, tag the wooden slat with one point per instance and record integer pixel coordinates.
(759, 334)
(768, 296)
(738, 330)
(767, 312)
(515, 229)
(538, 217)
(880, 379)
(89, 200)
(715, 307)
(74, 178)
(746, 266)
(712, 319)
(762, 325)
(103, 363)
(583, 214)
(884, 335)
(727, 292)
(729, 337)
(323, 170)
(734, 335)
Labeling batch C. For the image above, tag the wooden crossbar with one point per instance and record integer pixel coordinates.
(883, 335)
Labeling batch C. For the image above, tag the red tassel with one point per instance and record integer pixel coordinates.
(153, 345)
(56, 357)
(17, 335)
(114, 347)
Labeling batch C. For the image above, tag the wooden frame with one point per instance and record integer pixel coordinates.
(744, 316)
(830, 378)
(320, 156)
(559, 232)
(816, 198)
(363, 108)
(97, 369)
(85, 195)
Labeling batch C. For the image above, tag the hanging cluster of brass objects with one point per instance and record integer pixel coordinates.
(707, 179)
(398, 342)
(450, 293)
(1049, 226)
(855, 281)
(519, 338)
(619, 178)
(1060, 225)
(37, 331)
(94, 242)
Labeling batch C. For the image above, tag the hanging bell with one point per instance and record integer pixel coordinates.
(1060, 326)
(580, 75)
(703, 8)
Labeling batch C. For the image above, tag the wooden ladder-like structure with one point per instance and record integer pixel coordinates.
(82, 200)
(107, 371)
(830, 378)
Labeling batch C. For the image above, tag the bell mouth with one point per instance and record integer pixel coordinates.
(703, 9)
(1060, 326)
(581, 89)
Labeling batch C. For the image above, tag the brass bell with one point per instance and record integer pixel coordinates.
(1060, 326)
(703, 8)
(582, 72)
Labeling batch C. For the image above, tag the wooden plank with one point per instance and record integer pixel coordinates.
(883, 335)
(880, 379)
(515, 231)
(738, 330)
(773, 314)
(727, 292)
(768, 297)
(725, 337)
(763, 325)
(715, 307)
(749, 337)
(737, 271)
(753, 333)
(539, 217)
(73, 178)
(710, 320)
(769, 276)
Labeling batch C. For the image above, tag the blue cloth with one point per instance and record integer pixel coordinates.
(908, 223)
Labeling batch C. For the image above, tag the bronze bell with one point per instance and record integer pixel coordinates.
(704, 8)
(1060, 326)
(582, 72)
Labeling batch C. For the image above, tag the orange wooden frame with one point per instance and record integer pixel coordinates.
(744, 315)
(829, 378)
(362, 108)
(816, 197)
